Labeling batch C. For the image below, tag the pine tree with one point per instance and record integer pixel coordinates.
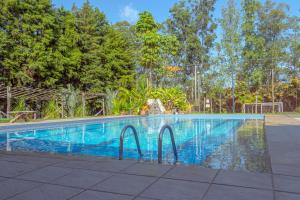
(92, 27)
(119, 59)
(67, 53)
(29, 36)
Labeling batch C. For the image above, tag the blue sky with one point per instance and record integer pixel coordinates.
(116, 10)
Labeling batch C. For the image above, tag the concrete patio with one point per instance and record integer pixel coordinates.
(28, 176)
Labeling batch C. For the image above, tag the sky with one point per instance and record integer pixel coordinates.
(118, 10)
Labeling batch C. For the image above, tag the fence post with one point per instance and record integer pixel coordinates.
(83, 103)
(8, 103)
(103, 106)
(220, 103)
(256, 104)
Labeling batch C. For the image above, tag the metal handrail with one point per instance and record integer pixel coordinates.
(122, 141)
(161, 133)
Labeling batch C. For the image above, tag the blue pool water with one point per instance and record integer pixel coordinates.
(197, 137)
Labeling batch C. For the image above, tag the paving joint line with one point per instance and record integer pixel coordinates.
(240, 186)
(298, 193)
(210, 184)
(155, 181)
(279, 174)
(90, 187)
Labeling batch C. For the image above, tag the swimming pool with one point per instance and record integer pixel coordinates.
(217, 141)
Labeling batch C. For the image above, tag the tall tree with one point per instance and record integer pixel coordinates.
(253, 44)
(67, 53)
(153, 45)
(273, 27)
(28, 32)
(146, 30)
(92, 26)
(119, 58)
(193, 24)
(231, 43)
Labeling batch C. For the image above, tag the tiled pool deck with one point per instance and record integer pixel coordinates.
(52, 177)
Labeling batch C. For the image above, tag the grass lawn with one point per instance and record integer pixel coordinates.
(4, 120)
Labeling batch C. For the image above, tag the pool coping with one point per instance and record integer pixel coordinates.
(52, 123)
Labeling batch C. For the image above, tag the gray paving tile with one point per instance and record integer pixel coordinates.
(286, 196)
(125, 184)
(286, 170)
(3, 179)
(100, 165)
(168, 189)
(148, 169)
(287, 183)
(78, 164)
(11, 169)
(82, 178)
(94, 195)
(12, 187)
(40, 161)
(193, 173)
(48, 192)
(246, 179)
(46, 174)
(222, 192)
(114, 165)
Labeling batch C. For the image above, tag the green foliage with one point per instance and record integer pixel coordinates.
(79, 112)
(67, 55)
(154, 48)
(132, 101)
(20, 105)
(193, 25)
(46, 47)
(29, 33)
(118, 59)
(92, 26)
(171, 98)
(71, 100)
(51, 110)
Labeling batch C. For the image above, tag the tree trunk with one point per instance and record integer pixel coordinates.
(195, 95)
(220, 104)
(273, 95)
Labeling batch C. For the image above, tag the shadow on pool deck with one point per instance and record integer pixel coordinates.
(31, 176)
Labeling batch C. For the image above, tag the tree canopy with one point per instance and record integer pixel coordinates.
(253, 47)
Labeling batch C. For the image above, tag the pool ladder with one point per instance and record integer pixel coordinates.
(122, 141)
(160, 137)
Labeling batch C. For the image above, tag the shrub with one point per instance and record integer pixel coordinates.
(51, 110)
(171, 98)
(20, 105)
(298, 109)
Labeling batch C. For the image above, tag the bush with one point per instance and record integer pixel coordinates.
(51, 110)
(171, 98)
(132, 101)
(20, 105)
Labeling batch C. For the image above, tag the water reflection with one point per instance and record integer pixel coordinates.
(246, 150)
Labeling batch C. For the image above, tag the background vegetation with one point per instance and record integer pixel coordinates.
(253, 50)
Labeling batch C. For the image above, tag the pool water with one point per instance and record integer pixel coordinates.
(215, 141)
